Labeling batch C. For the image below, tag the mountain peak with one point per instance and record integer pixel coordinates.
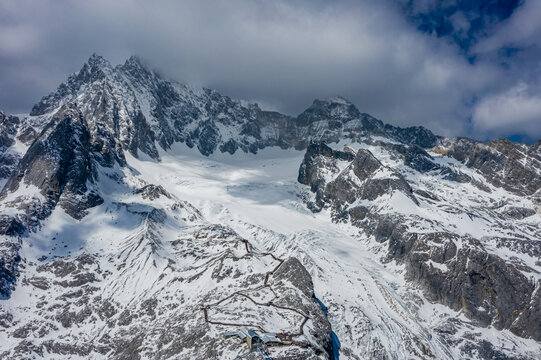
(332, 101)
(96, 67)
(96, 60)
(134, 61)
(335, 100)
(137, 68)
(334, 108)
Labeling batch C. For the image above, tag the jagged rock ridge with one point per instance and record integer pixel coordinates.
(132, 103)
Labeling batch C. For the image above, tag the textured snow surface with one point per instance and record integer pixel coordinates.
(368, 302)
(371, 308)
(183, 242)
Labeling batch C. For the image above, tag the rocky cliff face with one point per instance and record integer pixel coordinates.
(514, 167)
(364, 178)
(59, 165)
(8, 131)
(403, 207)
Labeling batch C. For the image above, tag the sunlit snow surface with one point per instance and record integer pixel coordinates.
(259, 197)
(370, 305)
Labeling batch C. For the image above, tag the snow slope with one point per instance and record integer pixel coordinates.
(371, 307)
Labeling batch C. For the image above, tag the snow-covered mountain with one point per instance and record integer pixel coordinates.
(142, 218)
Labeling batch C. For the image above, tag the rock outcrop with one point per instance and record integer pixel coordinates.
(457, 270)
(56, 170)
(514, 167)
(8, 131)
(361, 177)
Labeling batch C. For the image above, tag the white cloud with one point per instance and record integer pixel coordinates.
(285, 53)
(516, 111)
(522, 29)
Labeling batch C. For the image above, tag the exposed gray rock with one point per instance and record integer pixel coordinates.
(9, 261)
(488, 289)
(8, 131)
(355, 182)
(415, 135)
(505, 164)
(293, 271)
(153, 192)
(413, 156)
(365, 164)
(95, 69)
(528, 321)
(11, 226)
(59, 164)
(518, 213)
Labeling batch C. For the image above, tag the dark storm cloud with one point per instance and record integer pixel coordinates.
(284, 54)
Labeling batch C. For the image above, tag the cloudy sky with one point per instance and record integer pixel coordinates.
(459, 67)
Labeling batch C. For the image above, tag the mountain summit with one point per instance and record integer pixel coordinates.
(133, 97)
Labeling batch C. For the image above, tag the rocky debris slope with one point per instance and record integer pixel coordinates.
(137, 291)
(490, 272)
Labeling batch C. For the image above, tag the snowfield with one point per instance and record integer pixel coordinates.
(368, 301)
(370, 304)
(371, 307)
